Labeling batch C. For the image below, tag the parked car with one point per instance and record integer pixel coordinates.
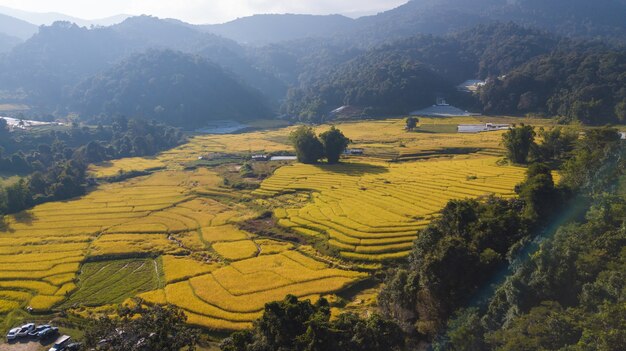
(25, 329)
(75, 346)
(48, 332)
(12, 334)
(61, 343)
(39, 328)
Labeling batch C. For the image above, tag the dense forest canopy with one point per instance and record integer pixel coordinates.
(183, 91)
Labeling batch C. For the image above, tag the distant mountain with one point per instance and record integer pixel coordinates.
(175, 88)
(266, 29)
(17, 28)
(47, 18)
(565, 17)
(408, 74)
(7, 43)
(57, 58)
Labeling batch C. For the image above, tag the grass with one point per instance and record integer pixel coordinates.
(114, 281)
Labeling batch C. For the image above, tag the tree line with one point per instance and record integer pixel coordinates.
(53, 165)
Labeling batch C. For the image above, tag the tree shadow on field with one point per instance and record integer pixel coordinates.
(24, 217)
(353, 169)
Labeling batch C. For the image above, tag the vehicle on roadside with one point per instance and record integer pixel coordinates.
(46, 333)
(25, 329)
(12, 334)
(75, 346)
(38, 329)
(61, 343)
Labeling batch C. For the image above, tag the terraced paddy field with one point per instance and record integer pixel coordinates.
(178, 236)
(160, 237)
(372, 211)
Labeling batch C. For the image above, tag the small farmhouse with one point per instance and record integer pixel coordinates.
(479, 128)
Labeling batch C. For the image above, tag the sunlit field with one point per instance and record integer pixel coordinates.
(176, 235)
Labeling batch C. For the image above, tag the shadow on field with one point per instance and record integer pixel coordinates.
(353, 169)
(24, 217)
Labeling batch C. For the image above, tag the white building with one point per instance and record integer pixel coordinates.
(479, 128)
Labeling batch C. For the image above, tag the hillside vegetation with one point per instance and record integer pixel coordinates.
(185, 91)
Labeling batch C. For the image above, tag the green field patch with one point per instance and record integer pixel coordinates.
(111, 282)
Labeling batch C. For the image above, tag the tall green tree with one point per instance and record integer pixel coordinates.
(518, 142)
(335, 143)
(309, 148)
(294, 325)
(138, 328)
(411, 123)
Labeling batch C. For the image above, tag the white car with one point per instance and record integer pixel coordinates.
(12, 334)
(25, 329)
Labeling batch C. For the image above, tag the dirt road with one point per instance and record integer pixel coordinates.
(24, 346)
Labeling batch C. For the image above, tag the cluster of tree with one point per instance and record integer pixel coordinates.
(585, 86)
(140, 328)
(54, 163)
(113, 138)
(293, 325)
(473, 242)
(569, 294)
(184, 91)
(310, 148)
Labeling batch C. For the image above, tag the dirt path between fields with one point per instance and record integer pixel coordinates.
(23, 346)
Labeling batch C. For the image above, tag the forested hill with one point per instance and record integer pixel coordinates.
(528, 71)
(184, 90)
(391, 63)
(49, 65)
(564, 17)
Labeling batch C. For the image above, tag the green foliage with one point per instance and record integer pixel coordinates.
(309, 148)
(518, 142)
(293, 325)
(581, 83)
(556, 147)
(596, 163)
(545, 327)
(411, 123)
(539, 193)
(464, 333)
(139, 328)
(335, 143)
(246, 170)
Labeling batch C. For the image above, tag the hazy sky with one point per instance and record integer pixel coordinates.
(201, 11)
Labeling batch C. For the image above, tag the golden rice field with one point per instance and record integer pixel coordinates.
(372, 211)
(133, 164)
(178, 230)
